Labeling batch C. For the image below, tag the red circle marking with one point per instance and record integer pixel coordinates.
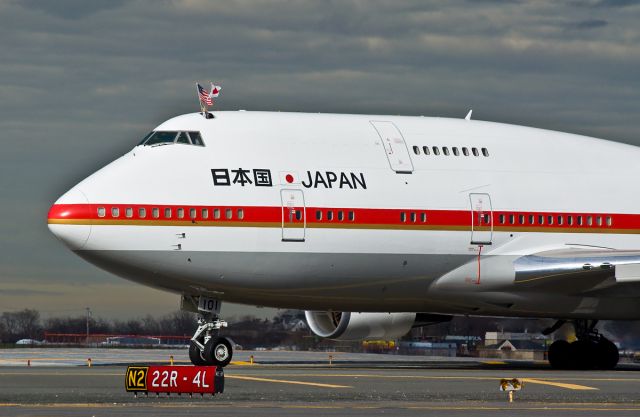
(289, 178)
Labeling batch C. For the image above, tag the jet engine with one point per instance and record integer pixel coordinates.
(359, 326)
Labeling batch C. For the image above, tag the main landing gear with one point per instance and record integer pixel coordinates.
(590, 351)
(207, 347)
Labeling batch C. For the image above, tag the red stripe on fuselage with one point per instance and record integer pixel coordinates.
(361, 216)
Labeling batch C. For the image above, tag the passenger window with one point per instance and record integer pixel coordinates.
(570, 220)
(475, 151)
(228, 214)
(549, 220)
(196, 139)
(465, 151)
(216, 214)
(167, 213)
(425, 150)
(531, 219)
(455, 150)
(403, 217)
(540, 219)
(128, 212)
(560, 220)
(192, 213)
(485, 152)
(241, 214)
(155, 212)
(445, 151)
(182, 138)
(102, 212)
(609, 221)
(115, 212)
(501, 219)
(340, 215)
(204, 213)
(512, 218)
(414, 217)
(579, 219)
(180, 213)
(436, 151)
(416, 150)
(330, 215)
(589, 221)
(352, 216)
(599, 220)
(521, 218)
(142, 212)
(318, 215)
(423, 217)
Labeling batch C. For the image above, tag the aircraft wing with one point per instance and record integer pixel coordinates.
(578, 271)
(593, 272)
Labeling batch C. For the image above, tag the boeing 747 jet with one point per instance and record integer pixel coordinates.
(372, 224)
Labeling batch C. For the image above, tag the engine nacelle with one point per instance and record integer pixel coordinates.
(359, 326)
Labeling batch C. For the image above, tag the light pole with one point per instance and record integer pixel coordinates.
(88, 315)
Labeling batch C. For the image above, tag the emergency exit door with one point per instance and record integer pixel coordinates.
(481, 219)
(294, 217)
(394, 146)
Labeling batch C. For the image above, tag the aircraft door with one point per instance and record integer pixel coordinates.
(394, 146)
(294, 217)
(481, 219)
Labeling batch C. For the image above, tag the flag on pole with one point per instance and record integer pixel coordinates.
(205, 96)
(215, 90)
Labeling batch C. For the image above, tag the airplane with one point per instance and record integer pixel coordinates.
(371, 224)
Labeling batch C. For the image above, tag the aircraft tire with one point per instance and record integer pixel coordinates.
(608, 355)
(218, 351)
(195, 355)
(584, 354)
(559, 354)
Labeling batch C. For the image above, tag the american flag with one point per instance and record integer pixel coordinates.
(205, 96)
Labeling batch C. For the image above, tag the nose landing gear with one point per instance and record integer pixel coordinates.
(207, 347)
(590, 351)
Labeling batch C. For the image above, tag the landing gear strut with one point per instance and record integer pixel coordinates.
(207, 347)
(590, 351)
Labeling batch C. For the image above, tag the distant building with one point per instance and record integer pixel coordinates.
(506, 345)
(448, 349)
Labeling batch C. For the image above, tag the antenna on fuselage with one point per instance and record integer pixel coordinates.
(468, 116)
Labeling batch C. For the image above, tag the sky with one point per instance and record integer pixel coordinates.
(82, 81)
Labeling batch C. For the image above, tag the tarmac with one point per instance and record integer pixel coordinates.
(281, 383)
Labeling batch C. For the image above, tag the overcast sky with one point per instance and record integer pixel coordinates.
(81, 82)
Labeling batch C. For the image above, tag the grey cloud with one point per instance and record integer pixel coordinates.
(71, 9)
(81, 82)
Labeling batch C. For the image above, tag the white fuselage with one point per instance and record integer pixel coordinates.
(356, 217)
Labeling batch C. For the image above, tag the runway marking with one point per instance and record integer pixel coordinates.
(180, 406)
(476, 378)
(558, 384)
(283, 381)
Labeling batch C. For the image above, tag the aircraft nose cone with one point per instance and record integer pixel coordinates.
(69, 219)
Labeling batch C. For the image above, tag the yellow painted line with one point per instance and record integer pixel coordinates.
(473, 378)
(558, 384)
(243, 363)
(282, 381)
(494, 363)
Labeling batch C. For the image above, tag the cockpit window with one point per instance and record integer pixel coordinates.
(161, 137)
(165, 138)
(182, 138)
(196, 139)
